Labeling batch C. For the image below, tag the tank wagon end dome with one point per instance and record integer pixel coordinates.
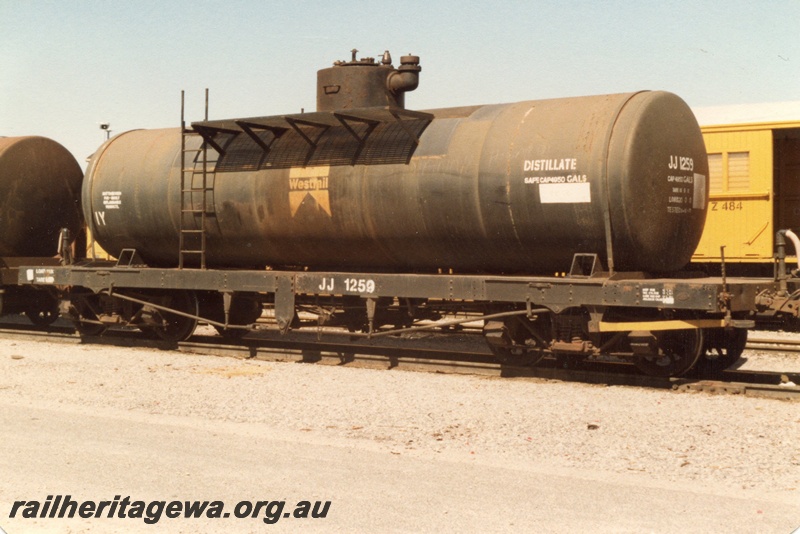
(657, 136)
(40, 184)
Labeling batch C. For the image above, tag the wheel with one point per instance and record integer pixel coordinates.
(231, 334)
(90, 329)
(519, 346)
(521, 356)
(243, 311)
(43, 315)
(176, 327)
(42, 308)
(723, 347)
(564, 361)
(678, 351)
(83, 310)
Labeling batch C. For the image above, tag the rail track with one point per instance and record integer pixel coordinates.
(469, 358)
(774, 345)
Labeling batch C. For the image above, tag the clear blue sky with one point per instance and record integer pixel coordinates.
(66, 66)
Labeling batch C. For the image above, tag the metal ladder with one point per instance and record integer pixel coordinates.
(197, 173)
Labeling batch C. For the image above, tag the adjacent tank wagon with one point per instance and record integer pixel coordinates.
(40, 184)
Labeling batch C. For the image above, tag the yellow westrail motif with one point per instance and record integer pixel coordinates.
(309, 182)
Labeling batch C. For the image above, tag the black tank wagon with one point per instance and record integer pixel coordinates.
(562, 224)
(40, 184)
(508, 188)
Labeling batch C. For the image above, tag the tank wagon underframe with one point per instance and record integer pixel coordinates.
(558, 294)
(525, 318)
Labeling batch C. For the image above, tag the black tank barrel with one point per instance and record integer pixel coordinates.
(506, 188)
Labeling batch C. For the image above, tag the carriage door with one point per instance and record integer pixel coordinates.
(740, 212)
(786, 143)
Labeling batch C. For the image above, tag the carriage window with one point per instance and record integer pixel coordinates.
(729, 172)
(715, 177)
(739, 171)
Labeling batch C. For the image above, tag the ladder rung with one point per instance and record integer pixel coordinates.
(202, 166)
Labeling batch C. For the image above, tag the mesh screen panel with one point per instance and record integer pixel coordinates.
(387, 143)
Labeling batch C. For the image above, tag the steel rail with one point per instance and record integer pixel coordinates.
(773, 345)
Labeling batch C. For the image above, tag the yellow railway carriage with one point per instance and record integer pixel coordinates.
(754, 184)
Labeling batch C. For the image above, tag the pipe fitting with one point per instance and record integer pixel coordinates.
(406, 77)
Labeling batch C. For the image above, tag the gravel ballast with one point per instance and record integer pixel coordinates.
(749, 442)
(742, 446)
